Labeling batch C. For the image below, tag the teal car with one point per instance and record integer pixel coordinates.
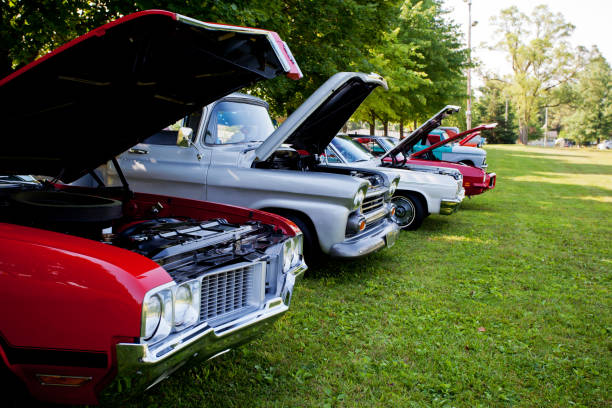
(451, 151)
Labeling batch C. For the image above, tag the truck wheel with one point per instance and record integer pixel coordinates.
(409, 211)
(312, 251)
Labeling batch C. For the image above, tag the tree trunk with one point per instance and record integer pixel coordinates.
(373, 125)
(523, 133)
(345, 128)
(401, 129)
(414, 125)
(386, 128)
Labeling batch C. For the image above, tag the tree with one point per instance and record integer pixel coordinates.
(541, 59)
(423, 61)
(592, 117)
(494, 107)
(326, 36)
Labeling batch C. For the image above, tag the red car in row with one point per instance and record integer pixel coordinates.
(103, 288)
(475, 180)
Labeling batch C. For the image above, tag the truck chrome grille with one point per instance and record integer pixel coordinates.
(231, 292)
(372, 204)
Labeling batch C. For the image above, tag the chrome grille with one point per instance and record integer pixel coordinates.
(226, 293)
(372, 203)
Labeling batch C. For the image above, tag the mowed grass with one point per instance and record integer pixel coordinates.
(506, 303)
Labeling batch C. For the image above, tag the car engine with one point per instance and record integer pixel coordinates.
(185, 247)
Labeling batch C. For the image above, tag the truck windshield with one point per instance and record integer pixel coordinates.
(238, 122)
(349, 149)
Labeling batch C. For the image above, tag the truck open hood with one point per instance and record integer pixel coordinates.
(81, 105)
(315, 123)
(421, 132)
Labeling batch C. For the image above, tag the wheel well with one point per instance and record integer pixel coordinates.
(416, 194)
(284, 211)
(468, 162)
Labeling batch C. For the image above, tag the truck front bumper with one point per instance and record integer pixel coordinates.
(383, 234)
(137, 370)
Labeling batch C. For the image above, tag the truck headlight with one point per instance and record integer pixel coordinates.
(187, 303)
(292, 252)
(358, 199)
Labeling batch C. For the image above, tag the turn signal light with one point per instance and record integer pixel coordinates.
(362, 225)
(392, 212)
(62, 380)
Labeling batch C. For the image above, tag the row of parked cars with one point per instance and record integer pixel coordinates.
(146, 249)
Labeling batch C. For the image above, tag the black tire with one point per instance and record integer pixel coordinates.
(409, 211)
(312, 250)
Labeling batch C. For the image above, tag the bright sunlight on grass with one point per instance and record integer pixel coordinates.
(506, 303)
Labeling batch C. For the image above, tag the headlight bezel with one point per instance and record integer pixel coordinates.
(292, 252)
(393, 187)
(191, 313)
(167, 323)
(359, 197)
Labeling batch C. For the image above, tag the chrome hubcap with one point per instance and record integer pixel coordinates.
(404, 211)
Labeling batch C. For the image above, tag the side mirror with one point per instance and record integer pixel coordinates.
(183, 137)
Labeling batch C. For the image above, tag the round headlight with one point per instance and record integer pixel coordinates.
(358, 200)
(182, 303)
(152, 313)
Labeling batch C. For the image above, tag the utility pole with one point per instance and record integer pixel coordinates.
(468, 111)
(545, 126)
(506, 114)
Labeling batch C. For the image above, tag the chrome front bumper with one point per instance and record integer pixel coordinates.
(137, 367)
(379, 236)
(449, 206)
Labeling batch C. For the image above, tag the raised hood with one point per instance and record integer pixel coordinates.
(421, 132)
(457, 149)
(91, 99)
(315, 123)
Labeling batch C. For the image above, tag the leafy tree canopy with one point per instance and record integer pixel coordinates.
(540, 56)
(592, 118)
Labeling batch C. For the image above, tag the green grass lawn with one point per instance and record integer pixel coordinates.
(506, 303)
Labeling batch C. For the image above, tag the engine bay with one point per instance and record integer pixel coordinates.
(193, 246)
(288, 158)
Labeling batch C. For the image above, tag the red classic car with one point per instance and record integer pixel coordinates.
(102, 285)
(475, 180)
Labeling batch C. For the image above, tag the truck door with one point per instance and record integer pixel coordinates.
(160, 165)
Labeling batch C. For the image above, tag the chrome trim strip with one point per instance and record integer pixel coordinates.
(376, 215)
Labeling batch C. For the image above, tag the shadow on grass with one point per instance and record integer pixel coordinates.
(474, 204)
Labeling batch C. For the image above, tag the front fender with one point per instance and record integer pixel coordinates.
(63, 292)
(434, 187)
(325, 198)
